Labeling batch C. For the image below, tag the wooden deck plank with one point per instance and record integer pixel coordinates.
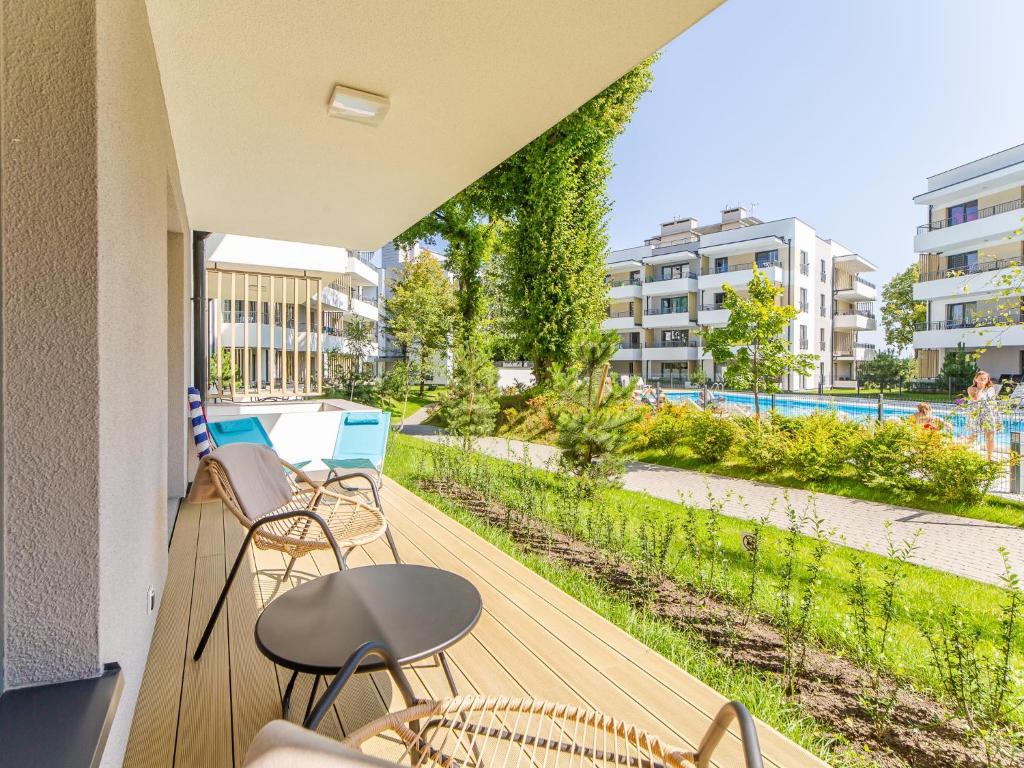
(255, 693)
(532, 640)
(674, 697)
(204, 728)
(155, 723)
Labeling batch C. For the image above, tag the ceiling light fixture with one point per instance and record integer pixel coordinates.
(358, 106)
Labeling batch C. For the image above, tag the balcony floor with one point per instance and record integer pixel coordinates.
(532, 640)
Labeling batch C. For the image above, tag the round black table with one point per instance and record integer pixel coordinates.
(411, 610)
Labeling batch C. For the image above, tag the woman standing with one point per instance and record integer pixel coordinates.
(984, 414)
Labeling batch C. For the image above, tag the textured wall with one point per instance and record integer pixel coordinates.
(51, 348)
(135, 154)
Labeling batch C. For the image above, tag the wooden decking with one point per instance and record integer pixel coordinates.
(532, 640)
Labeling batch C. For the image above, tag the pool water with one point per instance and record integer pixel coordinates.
(856, 408)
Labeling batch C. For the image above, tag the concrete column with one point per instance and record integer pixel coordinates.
(51, 441)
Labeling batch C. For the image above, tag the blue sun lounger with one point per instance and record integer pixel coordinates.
(245, 430)
(362, 441)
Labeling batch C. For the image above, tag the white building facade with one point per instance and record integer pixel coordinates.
(278, 309)
(970, 253)
(662, 295)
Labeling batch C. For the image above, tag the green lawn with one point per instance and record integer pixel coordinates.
(992, 509)
(415, 402)
(923, 592)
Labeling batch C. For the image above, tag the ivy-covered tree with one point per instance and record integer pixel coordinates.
(900, 313)
(593, 411)
(752, 344)
(469, 227)
(886, 370)
(553, 192)
(419, 313)
(470, 406)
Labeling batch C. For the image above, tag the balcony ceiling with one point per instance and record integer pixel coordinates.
(246, 87)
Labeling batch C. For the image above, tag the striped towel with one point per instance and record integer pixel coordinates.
(198, 418)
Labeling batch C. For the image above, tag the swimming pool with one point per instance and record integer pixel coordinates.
(858, 409)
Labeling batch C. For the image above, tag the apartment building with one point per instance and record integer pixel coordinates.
(663, 293)
(970, 253)
(277, 311)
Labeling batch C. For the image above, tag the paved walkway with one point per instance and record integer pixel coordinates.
(950, 543)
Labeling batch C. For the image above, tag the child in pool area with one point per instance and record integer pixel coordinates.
(982, 413)
(925, 418)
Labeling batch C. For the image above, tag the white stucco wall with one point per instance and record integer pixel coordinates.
(89, 195)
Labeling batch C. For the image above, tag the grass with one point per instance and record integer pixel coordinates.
(763, 695)
(923, 592)
(992, 508)
(403, 410)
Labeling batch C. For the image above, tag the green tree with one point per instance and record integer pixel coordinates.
(223, 372)
(553, 193)
(593, 413)
(958, 368)
(470, 230)
(752, 344)
(419, 313)
(900, 313)
(358, 335)
(886, 370)
(470, 406)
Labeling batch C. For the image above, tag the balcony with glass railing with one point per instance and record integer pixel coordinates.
(964, 218)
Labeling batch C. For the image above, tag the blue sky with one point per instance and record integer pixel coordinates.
(834, 111)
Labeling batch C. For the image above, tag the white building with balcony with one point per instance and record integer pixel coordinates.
(278, 309)
(970, 255)
(663, 293)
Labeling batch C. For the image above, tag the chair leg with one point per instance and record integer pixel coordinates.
(391, 543)
(288, 570)
(448, 673)
(312, 696)
(223, 596)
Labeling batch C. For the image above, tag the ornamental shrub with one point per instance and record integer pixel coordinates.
(710, 436)
(889, 456)
(822, 444)
(956, 474)
(765, 444)
(668, 426)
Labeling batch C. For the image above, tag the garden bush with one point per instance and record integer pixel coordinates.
(710, 436)
(889, 456)
(662, 429)
(956, 473)
(764, 444)
(822, 444)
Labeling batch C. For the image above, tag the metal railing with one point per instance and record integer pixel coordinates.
(688, 275)
(805, 344)
(972, 269)
(628, 313)
(629, 345)
(988, 320)
(805, 269)
(673, 344)
(365, 256)
(984, 213)
(724, 269)
(821, 346)
(861, 312)
(804, 306)
(712, 307)
(661, 250)
(667, 311)
(863, 345)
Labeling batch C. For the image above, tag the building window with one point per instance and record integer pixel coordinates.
(803, 300)
(962, 262)
(721, 265)
(824, 305)
(673, 304)
(961, 315)
(672, 272)
(718, 299)
(824, 272)
(821, 339)
(766, 258)
(958, 214)
(805, 263)
(803, 337)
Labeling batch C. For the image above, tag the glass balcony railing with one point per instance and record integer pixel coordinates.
(685, 275)
(666, 311)
(952, 221)
(620, 283)
(721, 269)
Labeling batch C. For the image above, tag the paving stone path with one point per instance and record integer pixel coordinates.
(950, 543)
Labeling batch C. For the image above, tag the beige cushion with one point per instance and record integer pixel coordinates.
(281, 744)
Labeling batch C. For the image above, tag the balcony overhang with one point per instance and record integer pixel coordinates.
(469, 84)
(623, 266)
(736, 247)
(853, 262)
(675, 257)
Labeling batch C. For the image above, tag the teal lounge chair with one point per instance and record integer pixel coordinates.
(362, 441)
(245, 430)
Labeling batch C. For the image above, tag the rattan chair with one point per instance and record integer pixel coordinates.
(319, 516)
